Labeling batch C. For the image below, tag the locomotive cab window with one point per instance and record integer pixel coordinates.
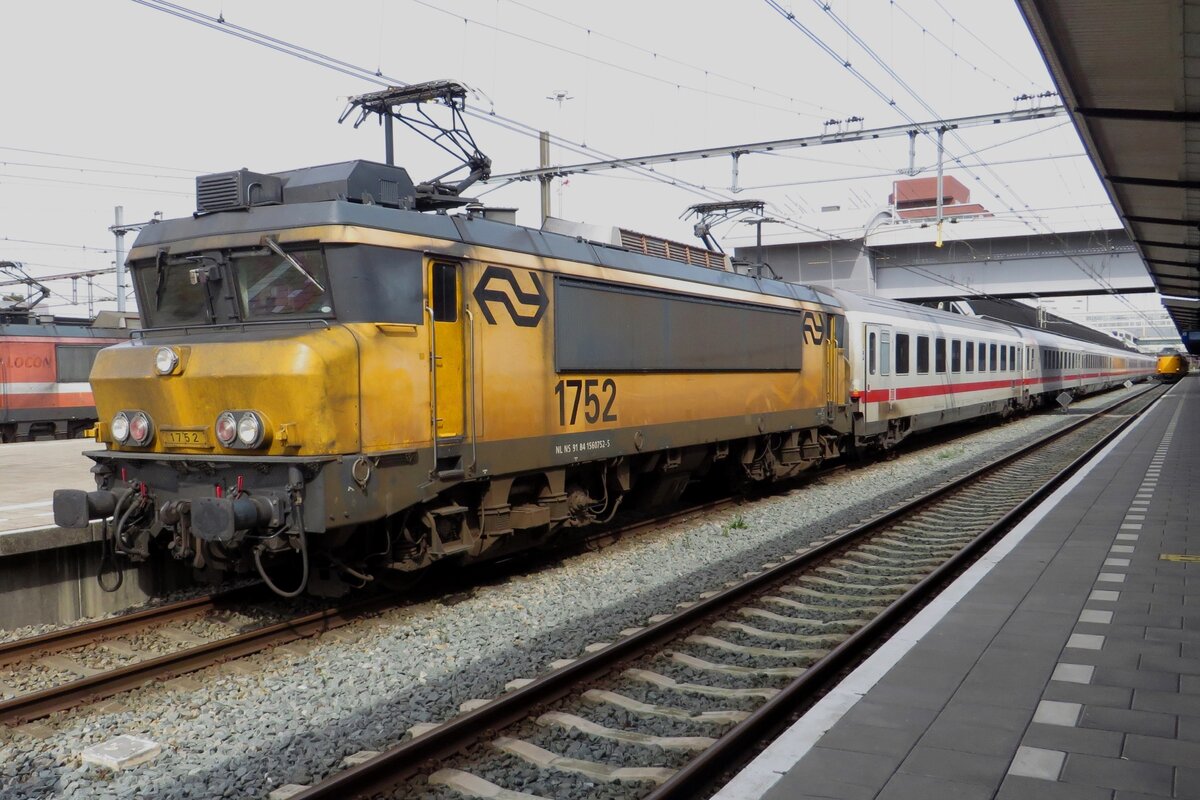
(166, 296)
(271, 285)
(443, 292)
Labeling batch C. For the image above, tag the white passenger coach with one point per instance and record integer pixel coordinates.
(920, 367)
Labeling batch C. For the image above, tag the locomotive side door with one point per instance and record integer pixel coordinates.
(878, 389)
(447, 375)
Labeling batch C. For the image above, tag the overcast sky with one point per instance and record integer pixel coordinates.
(163, 99)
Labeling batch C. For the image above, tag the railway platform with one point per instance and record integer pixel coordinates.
(47, 572)
(29, 471)
(1064, 664)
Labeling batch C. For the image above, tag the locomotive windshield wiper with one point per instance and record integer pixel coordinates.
(160, 288)
(279, 251)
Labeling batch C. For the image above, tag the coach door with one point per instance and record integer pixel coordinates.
(878, 388)
(446, 350)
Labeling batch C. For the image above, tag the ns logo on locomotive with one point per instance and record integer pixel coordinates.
(338, 382)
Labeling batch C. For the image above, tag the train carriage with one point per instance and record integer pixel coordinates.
(919, 367)
(916, 368)
(44, 367)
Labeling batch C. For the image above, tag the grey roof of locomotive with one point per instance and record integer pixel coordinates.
(466, 229)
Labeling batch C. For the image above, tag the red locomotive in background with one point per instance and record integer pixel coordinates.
(44, 366)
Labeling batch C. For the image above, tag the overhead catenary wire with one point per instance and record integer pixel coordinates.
(40, 179)
(870, 52)
(983, 42)
(619, 67)
(660, 56)
(374, 76)
(950, 48)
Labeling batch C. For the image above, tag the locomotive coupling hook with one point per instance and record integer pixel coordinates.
(218, 519)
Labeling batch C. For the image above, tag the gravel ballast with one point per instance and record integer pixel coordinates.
(291, 717)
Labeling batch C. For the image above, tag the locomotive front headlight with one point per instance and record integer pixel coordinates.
(250, 429)
(120, 427)
(165, 360)
(141, 429)
(226, 428)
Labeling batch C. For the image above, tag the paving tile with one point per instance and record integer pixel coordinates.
(1166, 702)
(1112, 696)
(861, 769)
(792, 787)
(1127, 721)
(955, 765)
(1118, 773)
(1073, 673)
(1173, 634)
(1161, 750)
(1074, 740)
(1037, 762)
(1053, 712)
(1005, 717)
(969, 737)
(1187, 783)
(1018, 787)
(870, 739)
(868, 711)
(1136, 678)
(904, 786)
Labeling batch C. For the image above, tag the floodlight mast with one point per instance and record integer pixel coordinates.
(455, 138)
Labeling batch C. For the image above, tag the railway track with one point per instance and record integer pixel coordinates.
(57, 669)
(90, 662)
(659, 712)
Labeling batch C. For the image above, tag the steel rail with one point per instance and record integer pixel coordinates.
(740, 740)
(89, 632)
(105, 684)
(384, 771)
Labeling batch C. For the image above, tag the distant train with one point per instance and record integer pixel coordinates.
(1172, 365)
(44, 366)
(335, 387)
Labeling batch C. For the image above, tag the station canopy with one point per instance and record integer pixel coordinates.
(1129, 72)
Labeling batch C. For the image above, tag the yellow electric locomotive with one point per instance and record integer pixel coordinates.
(335, 384)
(1172, 365)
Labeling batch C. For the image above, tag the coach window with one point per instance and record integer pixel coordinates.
(871, 352)
(922, 355)
(1003, 358)
(1012, 358)
(970, 346)
(992, 358)
(939, 355)
(956, 356)
(901, 353)
(885, 354)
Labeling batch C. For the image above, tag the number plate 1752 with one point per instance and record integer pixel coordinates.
(183, 437)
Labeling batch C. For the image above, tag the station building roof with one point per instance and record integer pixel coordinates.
(1129, 72)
